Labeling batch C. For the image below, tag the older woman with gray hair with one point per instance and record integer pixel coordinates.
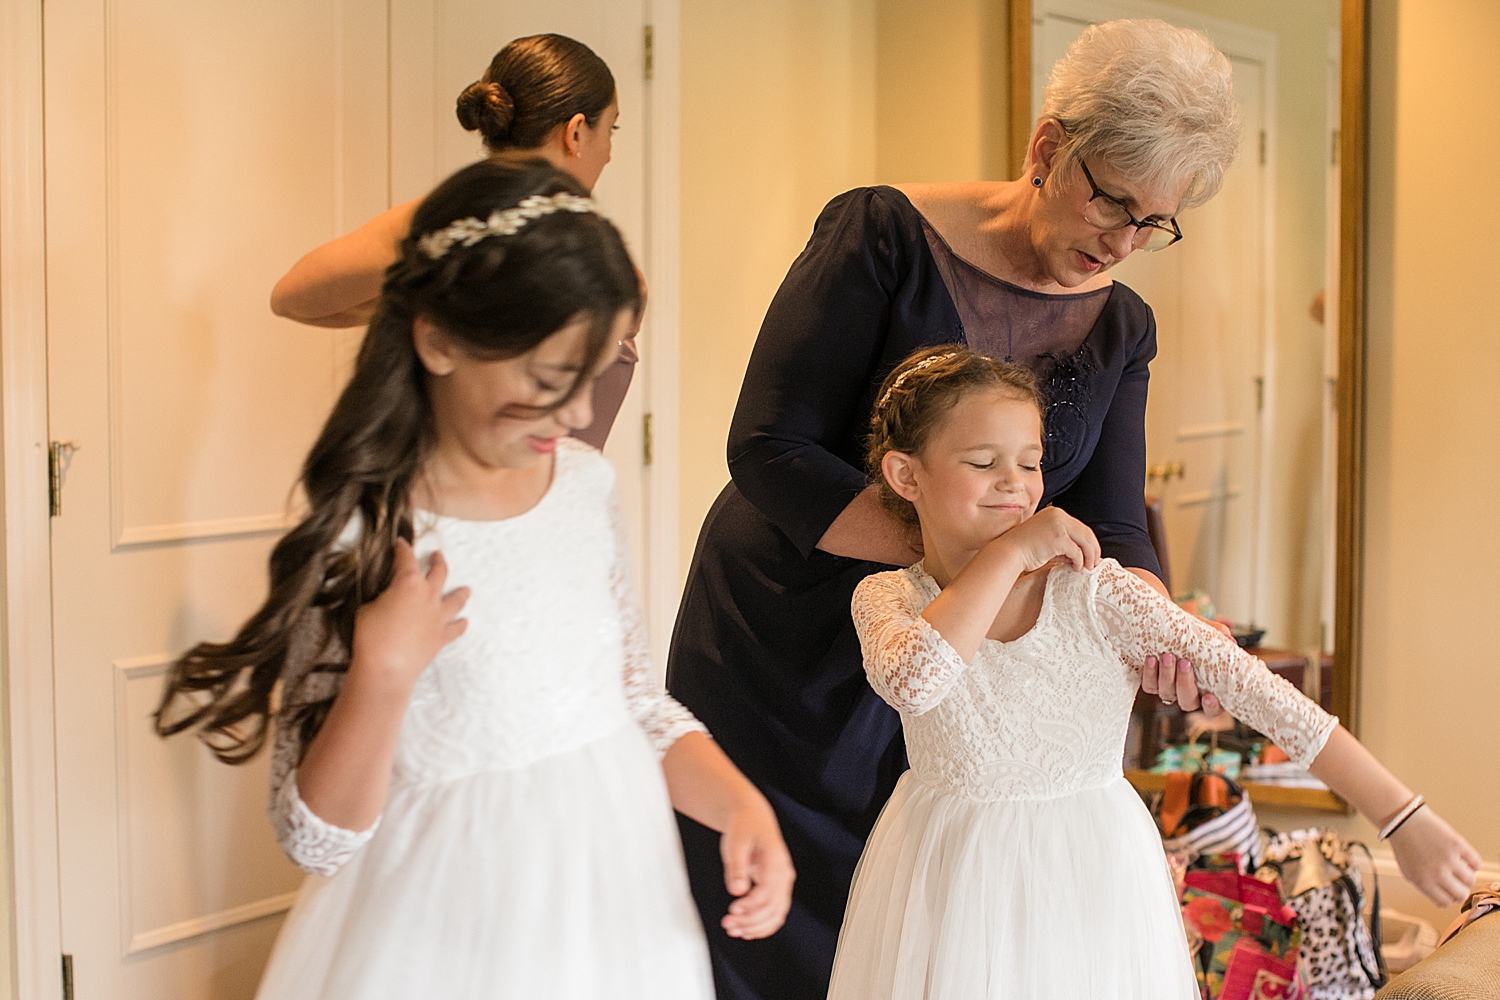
(1138, 123)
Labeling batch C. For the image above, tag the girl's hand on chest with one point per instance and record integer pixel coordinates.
(400, 632)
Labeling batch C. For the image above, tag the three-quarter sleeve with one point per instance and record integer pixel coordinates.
(1109, 494)
(314, 845)
(1137, 620)
(818, 351)
(907, 661)
(661, 717)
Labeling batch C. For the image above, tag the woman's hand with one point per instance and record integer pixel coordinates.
(757, 869)
(1170, 678)
(400, 632)
(1051, 534)
(1435, 858)
(866, 530)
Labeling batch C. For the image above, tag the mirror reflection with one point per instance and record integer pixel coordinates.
(1241, 423)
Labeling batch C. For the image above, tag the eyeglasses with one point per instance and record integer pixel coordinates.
(1109, 213)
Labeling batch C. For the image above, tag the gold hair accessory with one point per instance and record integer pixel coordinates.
(925, 362)
(502, 222)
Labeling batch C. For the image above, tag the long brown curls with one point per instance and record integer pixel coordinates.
(501, 297)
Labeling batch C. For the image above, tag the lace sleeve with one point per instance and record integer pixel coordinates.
(1139, 621)
(908, 662)
(313, 845)
(662, 717)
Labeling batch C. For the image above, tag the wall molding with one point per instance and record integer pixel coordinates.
(227, 527)
(1198, 432)
(132, 941)
(173, 933)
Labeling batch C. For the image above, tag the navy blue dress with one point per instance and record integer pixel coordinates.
(764, 651)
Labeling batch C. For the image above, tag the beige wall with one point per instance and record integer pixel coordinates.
(1432, 539)
(941, 111)
(778, 116)
(784, 105)
(1431, 681)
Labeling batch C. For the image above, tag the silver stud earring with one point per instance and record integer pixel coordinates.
(1036, 182)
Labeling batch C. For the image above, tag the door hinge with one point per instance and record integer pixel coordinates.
(1262, 147)
(646, 451)
(1260, 394)
(59, 457)
(650, 51)
(67, 974)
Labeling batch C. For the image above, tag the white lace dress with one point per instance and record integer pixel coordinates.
(1013, 859)
(527, 848)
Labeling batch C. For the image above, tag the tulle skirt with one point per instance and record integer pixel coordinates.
(561, 880)
(1052, 899)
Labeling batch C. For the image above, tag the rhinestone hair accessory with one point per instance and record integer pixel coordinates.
(502, 222)
(925, 362)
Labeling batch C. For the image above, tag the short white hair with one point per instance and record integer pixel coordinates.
(1153, 100)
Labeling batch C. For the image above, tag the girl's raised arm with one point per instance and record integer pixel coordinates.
(912, 659)
(907, 661)
(1134, 617)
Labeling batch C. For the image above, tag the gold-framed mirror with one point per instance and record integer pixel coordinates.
(1286, 68)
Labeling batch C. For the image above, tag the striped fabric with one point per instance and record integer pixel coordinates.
(1236, 830)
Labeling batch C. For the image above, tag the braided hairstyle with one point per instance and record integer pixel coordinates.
(500, 297)
(919, 392)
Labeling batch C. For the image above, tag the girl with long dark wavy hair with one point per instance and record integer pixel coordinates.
(488, 800)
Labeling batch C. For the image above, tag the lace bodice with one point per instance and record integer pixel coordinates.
(554, 657)
(1046, 714)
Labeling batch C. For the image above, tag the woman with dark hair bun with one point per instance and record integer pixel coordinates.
(543, 94)
(533, 86)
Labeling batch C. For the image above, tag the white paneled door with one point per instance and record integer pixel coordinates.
(193, 151)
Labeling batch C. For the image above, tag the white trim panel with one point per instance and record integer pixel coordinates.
(35, 921)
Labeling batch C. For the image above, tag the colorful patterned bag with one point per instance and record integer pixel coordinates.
(1247, 941)
(1324, 885)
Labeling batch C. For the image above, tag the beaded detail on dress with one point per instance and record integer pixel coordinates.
(1066, 382)
(1046, 714)
(539, 671)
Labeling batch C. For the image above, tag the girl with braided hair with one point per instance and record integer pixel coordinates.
(1013, 859)
(486, 801)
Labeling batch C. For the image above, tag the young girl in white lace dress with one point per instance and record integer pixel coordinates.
(1014, 860)
(486, 801)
